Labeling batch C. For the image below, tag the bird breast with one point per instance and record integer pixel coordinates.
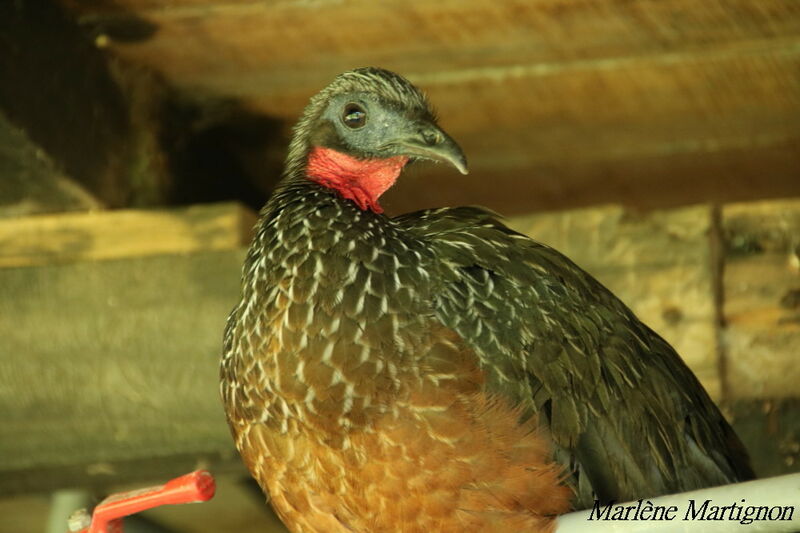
(347, 396)
(331, 316)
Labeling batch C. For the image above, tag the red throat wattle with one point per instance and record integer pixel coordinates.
(359, 180)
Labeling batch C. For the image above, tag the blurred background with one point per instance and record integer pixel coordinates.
(656, 142)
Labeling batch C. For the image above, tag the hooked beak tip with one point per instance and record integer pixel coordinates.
(433, 143)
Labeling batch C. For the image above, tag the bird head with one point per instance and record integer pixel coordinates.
(357, 134)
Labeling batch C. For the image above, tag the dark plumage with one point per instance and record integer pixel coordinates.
(386, 374)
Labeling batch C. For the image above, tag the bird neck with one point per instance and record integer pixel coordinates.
(359, 180)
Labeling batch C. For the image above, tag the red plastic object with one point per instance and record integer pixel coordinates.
(199, 486)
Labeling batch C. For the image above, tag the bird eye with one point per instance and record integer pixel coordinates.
(354, 116)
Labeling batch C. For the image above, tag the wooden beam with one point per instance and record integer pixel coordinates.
(422, 37)
(69, 238)
(110, 370)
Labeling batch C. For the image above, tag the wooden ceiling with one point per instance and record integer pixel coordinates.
(556, 102)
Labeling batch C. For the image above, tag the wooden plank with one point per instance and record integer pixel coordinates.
(658, 263)
(762, 299)
(612, 236)
(103, 235)
(110, 366)
(422, 36)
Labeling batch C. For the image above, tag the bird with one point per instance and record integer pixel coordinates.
(438, 371)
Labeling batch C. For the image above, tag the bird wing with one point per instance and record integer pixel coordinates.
(629, 419)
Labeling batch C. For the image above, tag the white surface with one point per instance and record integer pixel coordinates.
(778, 491)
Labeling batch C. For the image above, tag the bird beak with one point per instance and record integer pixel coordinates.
(427, 141)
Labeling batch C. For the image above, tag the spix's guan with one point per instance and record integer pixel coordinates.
(388, 374)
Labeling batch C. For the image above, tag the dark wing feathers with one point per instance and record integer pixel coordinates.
(629, 418)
